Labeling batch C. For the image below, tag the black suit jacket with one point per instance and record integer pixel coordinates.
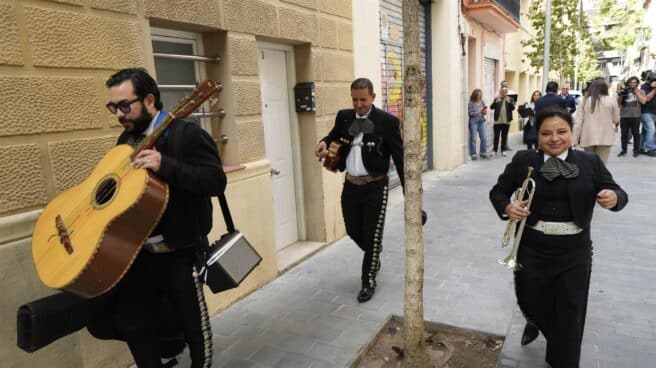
(386, 138)
(193, 170)
(510, 106)
(550, 99)
(570, 102)
(593, 177)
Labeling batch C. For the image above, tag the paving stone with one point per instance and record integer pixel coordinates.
(268, 355)
(291, 360)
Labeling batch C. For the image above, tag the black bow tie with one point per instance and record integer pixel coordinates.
(555, 167)
(361, 125)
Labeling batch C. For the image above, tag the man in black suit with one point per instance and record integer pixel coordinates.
(570, 101)
(372, 136)
(186, 157)
(555, 250)
(551, 98)
(159, 305)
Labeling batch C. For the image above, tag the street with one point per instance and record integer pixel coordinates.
(309, 316)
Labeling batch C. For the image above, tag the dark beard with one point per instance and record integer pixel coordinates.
(141, 123)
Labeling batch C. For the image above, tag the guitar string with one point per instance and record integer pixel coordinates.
(123, 167)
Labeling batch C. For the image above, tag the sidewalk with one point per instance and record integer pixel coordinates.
(309, 316)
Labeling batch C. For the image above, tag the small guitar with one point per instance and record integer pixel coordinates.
(88, 236)
(336, 156)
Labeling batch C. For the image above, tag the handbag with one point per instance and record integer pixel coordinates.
(230, 259)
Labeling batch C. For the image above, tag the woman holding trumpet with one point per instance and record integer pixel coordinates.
(555, 250)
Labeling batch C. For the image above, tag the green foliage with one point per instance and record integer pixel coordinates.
(569, 43)
(613, 28)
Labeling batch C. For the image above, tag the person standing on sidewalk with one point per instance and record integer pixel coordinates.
(597, 120)
(477, 111)
(647, 97)
(530, 132)
(503, 107)
(570, 102)
(629, 115)
(555, 250)
(372, 136)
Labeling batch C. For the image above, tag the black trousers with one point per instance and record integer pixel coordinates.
(363, 208)
(501, 131)
(552, 290)
(137, 297)
(632, 125)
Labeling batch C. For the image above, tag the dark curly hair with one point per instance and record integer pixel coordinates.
(143, 83)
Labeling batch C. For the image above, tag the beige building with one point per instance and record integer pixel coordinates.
(54, 126)
(493, 31)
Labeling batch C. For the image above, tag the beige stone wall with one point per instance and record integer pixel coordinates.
(54, 127)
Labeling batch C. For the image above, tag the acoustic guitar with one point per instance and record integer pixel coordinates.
(336, 156)
(88, 236)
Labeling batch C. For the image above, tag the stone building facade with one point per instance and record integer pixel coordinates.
(54, 126)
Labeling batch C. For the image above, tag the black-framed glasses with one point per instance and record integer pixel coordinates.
(124, 106)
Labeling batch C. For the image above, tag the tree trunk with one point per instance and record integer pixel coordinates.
(414, 348)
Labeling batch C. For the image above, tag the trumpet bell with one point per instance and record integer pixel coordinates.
(510, 263)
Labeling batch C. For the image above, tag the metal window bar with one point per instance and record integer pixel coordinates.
(206, 114)
(187, 57)
(184, 87)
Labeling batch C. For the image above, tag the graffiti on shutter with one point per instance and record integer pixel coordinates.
(391, 62)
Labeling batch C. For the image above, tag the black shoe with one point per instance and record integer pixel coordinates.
(636, 154)
(365, 294)
(651, 153)
(531, 332)
(623, 153)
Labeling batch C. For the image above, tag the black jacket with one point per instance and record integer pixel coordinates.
(510, 106)
(593, 177)
(386, 137)
(550, 99)
(193, 170)
(570, 102)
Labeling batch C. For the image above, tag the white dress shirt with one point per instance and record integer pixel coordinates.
(354, 164)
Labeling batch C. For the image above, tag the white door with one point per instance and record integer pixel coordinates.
(278, 143)
(489, 94)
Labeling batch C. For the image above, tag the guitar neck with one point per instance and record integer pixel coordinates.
(149, 141)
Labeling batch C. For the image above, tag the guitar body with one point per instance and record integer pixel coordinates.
(336, 156)
(88, 236)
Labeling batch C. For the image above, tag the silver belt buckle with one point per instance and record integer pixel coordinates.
(552, 228)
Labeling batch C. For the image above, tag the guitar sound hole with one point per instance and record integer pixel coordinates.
(106, 191)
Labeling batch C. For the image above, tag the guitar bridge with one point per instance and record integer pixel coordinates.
(64, 238)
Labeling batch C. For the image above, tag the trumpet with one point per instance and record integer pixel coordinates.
(527, 189)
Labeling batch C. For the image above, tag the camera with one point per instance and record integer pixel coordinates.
(648, 76)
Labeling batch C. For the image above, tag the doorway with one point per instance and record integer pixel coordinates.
(281, 141)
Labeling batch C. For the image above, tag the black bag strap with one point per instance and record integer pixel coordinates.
(227, 217)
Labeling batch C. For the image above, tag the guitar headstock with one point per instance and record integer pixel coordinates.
(202, 92)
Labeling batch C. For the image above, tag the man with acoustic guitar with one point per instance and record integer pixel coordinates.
(370, 136)
(186, 158)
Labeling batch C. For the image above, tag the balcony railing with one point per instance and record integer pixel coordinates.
(502, 15)
(511, 6)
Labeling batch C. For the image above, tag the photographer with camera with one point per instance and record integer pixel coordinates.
(646, 97)
(629, 114)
